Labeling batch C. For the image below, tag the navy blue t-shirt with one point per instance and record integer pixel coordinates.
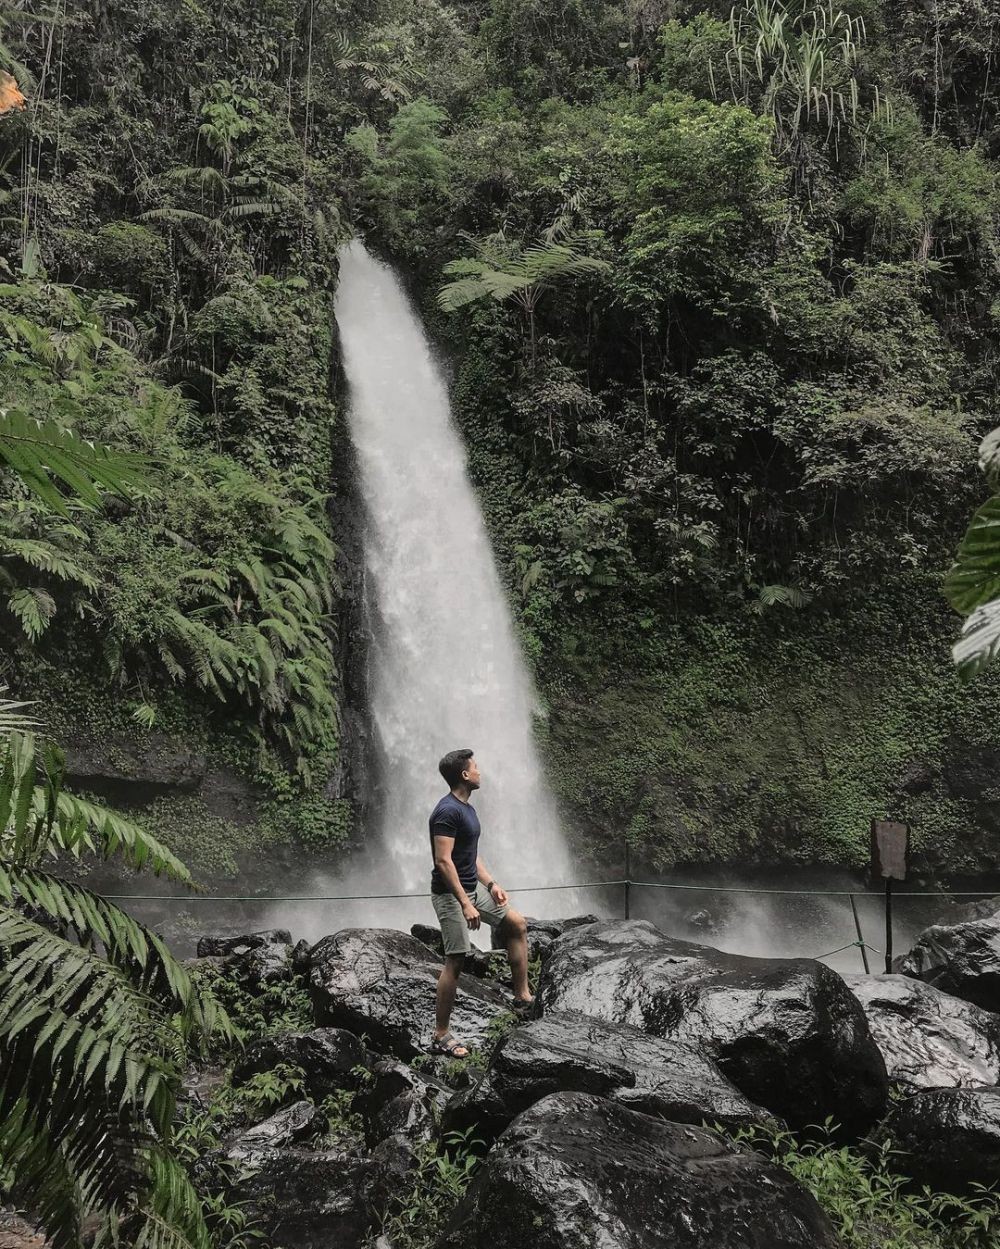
(454, 818)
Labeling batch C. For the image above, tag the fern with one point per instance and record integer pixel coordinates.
(95, 1014)
(43, 454)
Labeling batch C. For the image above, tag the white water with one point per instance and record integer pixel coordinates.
(446, 672)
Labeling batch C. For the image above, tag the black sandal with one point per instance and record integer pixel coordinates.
(448, 1044)
(523, 1009)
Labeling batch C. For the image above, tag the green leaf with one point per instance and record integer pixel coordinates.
(42, 453)
(975, 578)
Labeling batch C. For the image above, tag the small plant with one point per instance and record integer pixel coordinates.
(870, 1205)
(342, 1121)
(276, 1007)
(439, 1182)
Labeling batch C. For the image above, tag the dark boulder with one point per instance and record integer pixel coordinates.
(300, 1197)
(266, 965)
(430, 936)
(577, 1170)
(381, 984)
(961, 955)
(398, 1101)
(947, 1138)
(300, 957)
(929, 1039)
(223, 947)
(566, 1052)
(787, 1032)
(329, 1057)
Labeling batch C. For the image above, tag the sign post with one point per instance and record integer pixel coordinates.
(890, 851)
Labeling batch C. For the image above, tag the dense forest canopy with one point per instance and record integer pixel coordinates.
(728, 342)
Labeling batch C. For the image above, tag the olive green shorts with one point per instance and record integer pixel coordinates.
(455, 931)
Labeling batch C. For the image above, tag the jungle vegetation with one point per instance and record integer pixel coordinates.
(728, 344)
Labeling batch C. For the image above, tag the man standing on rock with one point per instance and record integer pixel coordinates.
(465, 894)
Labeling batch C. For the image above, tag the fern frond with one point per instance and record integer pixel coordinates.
(42, 453)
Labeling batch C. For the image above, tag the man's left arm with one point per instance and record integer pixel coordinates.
(485, 876)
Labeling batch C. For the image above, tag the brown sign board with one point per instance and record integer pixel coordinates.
(890, 849)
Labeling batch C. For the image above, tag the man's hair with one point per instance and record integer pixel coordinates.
(452, 766)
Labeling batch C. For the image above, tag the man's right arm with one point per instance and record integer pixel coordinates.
(445, 865)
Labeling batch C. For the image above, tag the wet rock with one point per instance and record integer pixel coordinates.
(300, 957)
(299, 1122)
(430, 936)
(948, 1138)
(787, 1032)
(302, 1198)
(388, 1178)
(329, 1057)
(223, 947)
(577, 1170)
(542, 932)
(929, 1039)
(381, 984)
(577, 1053)
(398, 1101)
(961, 955)
(263, 966)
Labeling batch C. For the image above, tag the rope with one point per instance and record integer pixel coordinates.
(861, 945)
(820, 893)
(343, 897)
(593, 884)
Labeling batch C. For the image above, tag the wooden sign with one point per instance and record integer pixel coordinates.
(890, 849)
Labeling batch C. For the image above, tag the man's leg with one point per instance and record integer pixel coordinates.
(514, 932)
(447, 987)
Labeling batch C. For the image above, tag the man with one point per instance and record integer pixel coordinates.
(465, 894)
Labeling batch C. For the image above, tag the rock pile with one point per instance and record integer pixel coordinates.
(606, 1111)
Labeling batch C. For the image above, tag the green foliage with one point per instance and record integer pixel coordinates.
(40, 452)
(873, 1207)
(438, 1183)
(973, 585)
(278, 1007)
(96, 1015)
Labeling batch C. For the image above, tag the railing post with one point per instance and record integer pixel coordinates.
(861, 936)
(628, 880)
(888, 926)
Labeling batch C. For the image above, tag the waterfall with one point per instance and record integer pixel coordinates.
(445, 667)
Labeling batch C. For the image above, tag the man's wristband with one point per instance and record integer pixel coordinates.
(489, 887)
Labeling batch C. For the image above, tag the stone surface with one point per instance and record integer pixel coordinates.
(961, 955)
(224, 947)
(580, 1172)
(947, 1138)
(329, 1057)
(263, 966)
(929, 1039)
(299, 1122)
(787, 1032)
(381, 984)
(568, 1052)
(302, 1198)
(398, 1101)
